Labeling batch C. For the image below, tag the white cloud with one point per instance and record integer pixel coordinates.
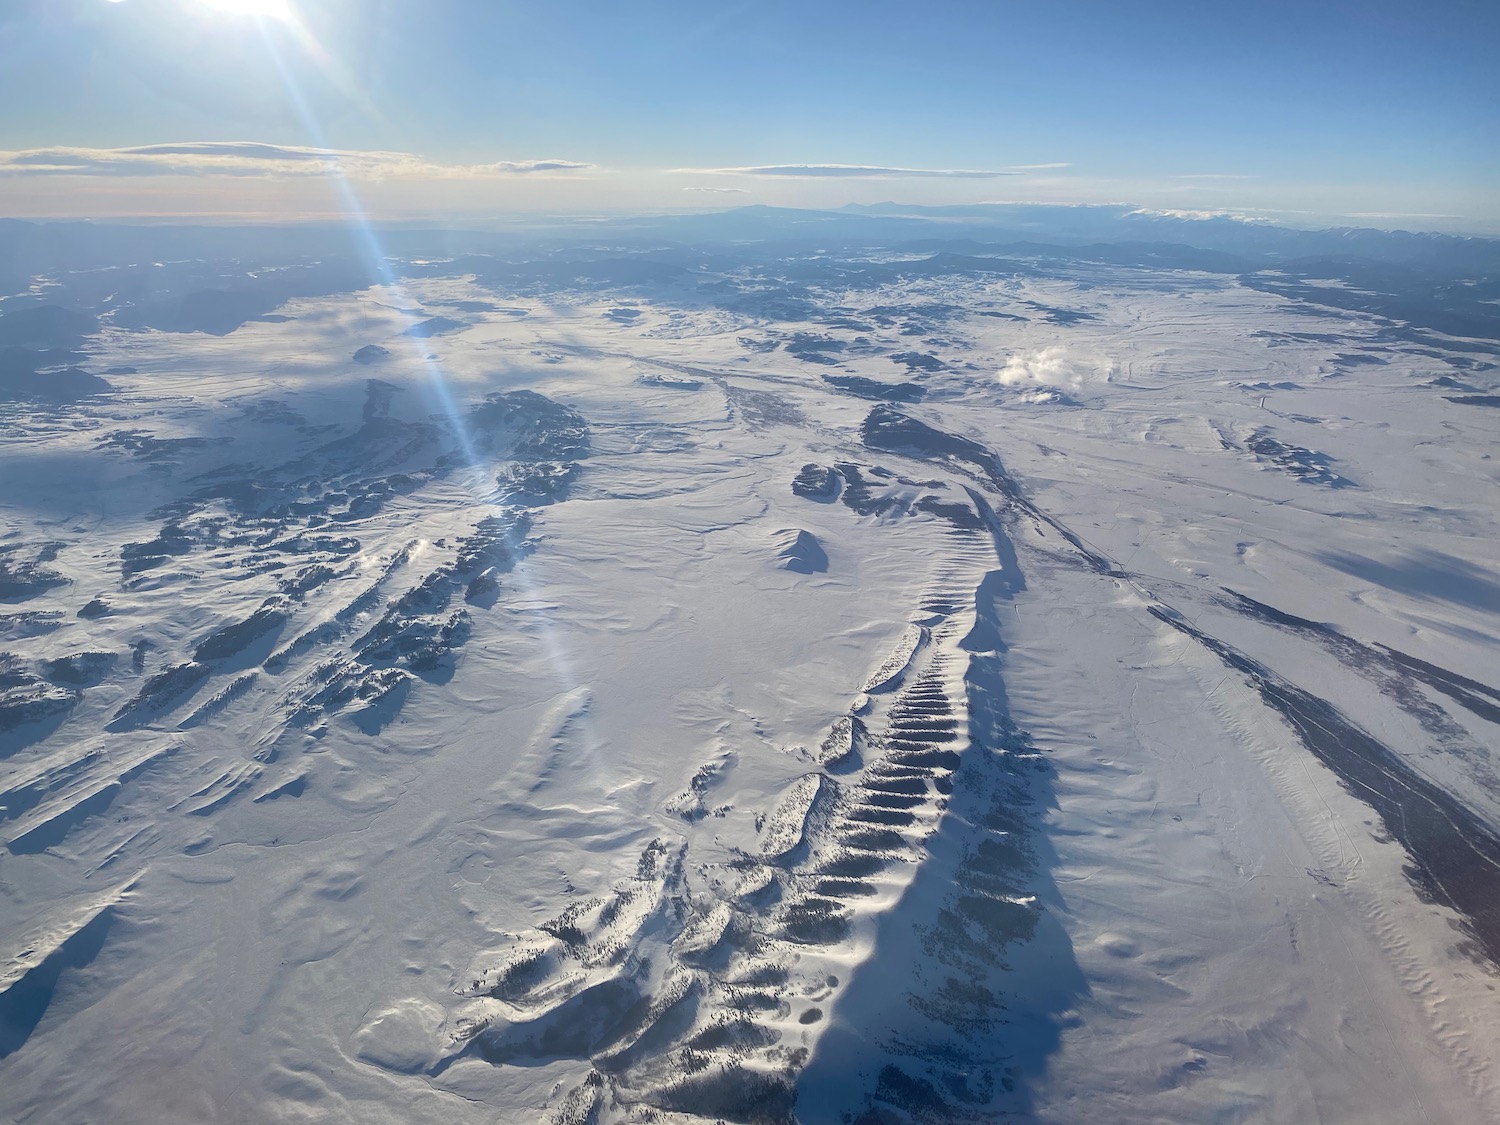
(1055, 366)
(718, 190)
(1398, 215)
(863, 171)
(251, 158)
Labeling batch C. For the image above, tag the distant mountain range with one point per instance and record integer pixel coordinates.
(212, 279)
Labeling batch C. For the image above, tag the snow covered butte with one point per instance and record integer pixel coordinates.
(800, 551)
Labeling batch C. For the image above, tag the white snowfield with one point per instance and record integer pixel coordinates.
(1109, 736)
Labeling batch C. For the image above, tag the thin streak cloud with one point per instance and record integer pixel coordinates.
(250, 158)
(525, 167)
(863, 171)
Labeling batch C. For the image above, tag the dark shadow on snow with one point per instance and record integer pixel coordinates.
(1428, 575)
(23, 1005)
(964, 1000)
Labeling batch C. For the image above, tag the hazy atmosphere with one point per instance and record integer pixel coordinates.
(775, 564)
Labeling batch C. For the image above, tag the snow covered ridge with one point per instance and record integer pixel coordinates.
(595, 684)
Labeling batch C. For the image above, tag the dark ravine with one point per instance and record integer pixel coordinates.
(1473, 696)
(1455, 854)
(1462, 690)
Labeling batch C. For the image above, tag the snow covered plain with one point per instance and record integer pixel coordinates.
(1068, 694)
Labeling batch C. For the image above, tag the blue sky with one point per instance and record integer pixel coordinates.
(1329, 108)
